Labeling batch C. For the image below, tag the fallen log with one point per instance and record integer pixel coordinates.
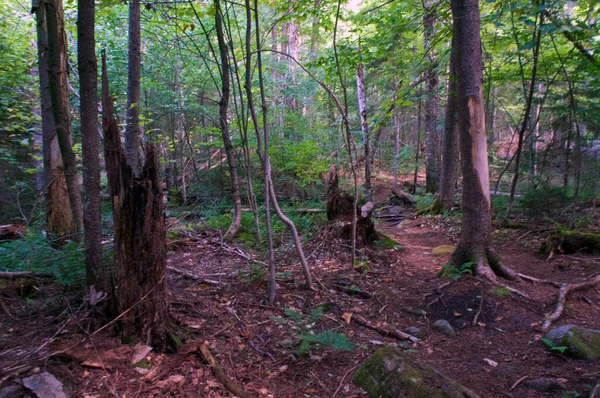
(570, 242)
(403, 197)
(11, 232)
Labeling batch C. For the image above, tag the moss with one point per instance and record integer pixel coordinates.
(144, 364)
(385, 242)
(500, 291)
(568, 242)
(584, 344)
(388, 373)
(443, 250)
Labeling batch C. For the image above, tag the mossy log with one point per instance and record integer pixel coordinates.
(570, 242)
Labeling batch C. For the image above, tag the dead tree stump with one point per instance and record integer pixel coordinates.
(140, 254)
(340, 206)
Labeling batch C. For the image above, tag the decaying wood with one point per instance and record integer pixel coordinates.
(220, 374)
(563, 293)
(22, 274)
(194, 277)
(385, 332)
(405, 198)
(12, 232)
(571, 242)
(339, 203)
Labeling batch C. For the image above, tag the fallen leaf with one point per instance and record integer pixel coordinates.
(44, 385)
(347, 316)
(457, 314)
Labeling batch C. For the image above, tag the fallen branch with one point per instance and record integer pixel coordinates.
(220, 374)
(22, 274)
(385, 332)
(563, 293)
(194, 277)
(522, 379)
(353, 291)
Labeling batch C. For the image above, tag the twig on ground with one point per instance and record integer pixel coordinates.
(384, 332)
(522, 379)
(219, 373)
(476, 317)
(194, 277)
(342, 381)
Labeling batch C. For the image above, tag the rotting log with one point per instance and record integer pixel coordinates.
(140, 251)
(12, 232)
(570, 242)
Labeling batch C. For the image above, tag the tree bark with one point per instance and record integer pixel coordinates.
(432, 102)
(59, 216)
(362, 108)
(90, 142)
(134, 66)
(140, 251)
(450, 147)
(59, 92)
(476, 234)
(223, 124)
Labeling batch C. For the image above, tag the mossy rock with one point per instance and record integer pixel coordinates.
(579, 343)
(389, 373)
(443, 250)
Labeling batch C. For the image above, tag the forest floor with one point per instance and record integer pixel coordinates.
(219, 297)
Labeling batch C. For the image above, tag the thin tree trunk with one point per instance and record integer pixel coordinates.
(418, 151)
(134, 66)
(397, 127)
(223, 124)
(140, 251)
(432, 102)
(90, 142)
(59, 91)
(362, 108)
(476, 233)
(526, 117)
(59, 216)
(450, 148)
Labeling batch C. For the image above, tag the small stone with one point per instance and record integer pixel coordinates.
(415, 331)
(544, 384)
(442, 326)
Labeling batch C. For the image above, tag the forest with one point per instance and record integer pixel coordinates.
(314, 198)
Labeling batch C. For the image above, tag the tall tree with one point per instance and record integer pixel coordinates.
(432, 101)
(59, 92)
(90, 141)
(476, 233)
(224, 125)
(132, 117)
(59, 216)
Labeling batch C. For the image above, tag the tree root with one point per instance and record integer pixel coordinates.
(490, 275)
(565, 290)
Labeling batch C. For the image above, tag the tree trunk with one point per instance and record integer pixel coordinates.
(59, 216)
(140, 251)
(59, 92)
(223, 110)
(432, 103)
(362, 108)
(90, 141)
(476, 234)
(134, 66)
(450, 142)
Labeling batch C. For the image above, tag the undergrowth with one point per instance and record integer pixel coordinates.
(35, 253)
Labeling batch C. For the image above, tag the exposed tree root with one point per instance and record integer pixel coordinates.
(481, 269)
(385, 332)
(565, 290)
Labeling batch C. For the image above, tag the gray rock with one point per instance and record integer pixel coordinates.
(544, 384)
(415, 331)
(389, 373)
(580, 343)
(442, 326)
(44, 385)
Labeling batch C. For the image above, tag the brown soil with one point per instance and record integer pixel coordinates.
(231, 314)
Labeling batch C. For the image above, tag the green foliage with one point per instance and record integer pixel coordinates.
(308, 339)
(385, 242)
(35, 253)
(553, 347)
(545, 200)
(455, 273)
(424, 202)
